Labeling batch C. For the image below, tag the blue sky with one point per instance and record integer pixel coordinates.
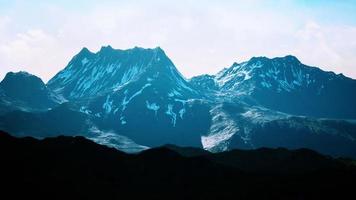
(199, 36)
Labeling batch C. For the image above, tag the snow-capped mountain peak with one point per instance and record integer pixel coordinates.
(280, 74)
(277, 82)
(109, 69)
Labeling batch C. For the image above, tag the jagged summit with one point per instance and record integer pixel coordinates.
(85, 51)
(286, 73)
(106, 48)
(281, 58)
(110, 49)
(109, 68)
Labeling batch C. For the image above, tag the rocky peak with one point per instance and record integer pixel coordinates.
(110, 69)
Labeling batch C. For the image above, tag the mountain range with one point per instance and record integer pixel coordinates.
(136, 99)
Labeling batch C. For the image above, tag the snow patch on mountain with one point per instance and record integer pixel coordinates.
(85, 110)
(172, 114)
(107, 106)
(65, 74)
(132, 73)
(236, 74)
(266, 84)
(85, 61)
(252, 114)
(258, 115)
(181, 113)
(126, 101)
(182, 110)
(174, 93)
(221, 131)
(112, 139)
(152, 106)
(122, 120)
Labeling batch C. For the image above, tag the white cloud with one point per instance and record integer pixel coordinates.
(332, 48)
(199, 37)
(31, 51)
(4, 23)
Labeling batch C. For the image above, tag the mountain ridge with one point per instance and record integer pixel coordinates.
(277, 83)
(136, 99)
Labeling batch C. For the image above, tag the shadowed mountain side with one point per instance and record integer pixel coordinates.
(77, 168)
(27, 92)
(62, 120)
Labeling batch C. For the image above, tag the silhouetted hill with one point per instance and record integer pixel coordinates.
(77, 168)
(187, 151)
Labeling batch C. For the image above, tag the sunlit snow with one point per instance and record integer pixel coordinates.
(112, 139)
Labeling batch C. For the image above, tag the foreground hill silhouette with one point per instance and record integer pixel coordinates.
(77, 168)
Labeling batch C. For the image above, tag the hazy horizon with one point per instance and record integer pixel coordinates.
(200, 37)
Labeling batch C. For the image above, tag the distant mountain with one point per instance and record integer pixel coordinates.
(285, 84)
(56, 168)
(24, 91)
(136, 99)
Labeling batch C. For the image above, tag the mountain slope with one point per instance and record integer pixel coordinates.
(64, 119)
(91, 74)
(243, 126)
(132, 89)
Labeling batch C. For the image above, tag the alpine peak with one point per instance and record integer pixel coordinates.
(109, 69)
